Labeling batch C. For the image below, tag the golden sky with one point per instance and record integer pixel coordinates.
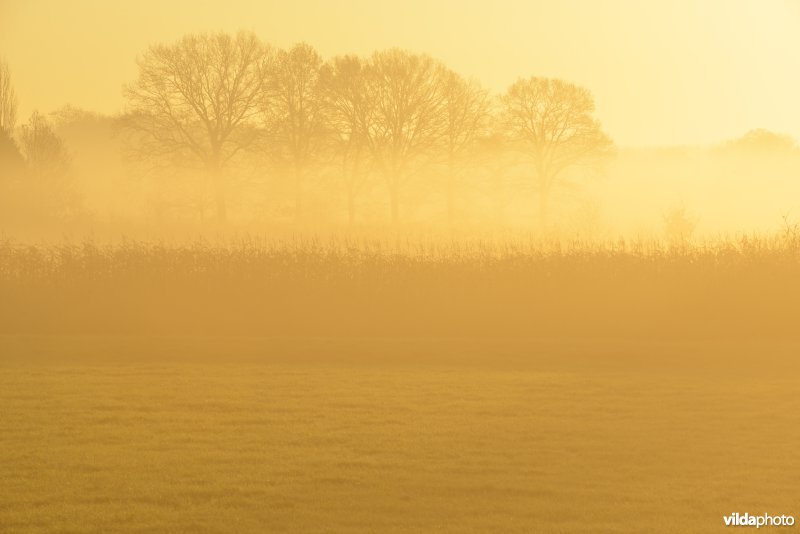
(662, 72)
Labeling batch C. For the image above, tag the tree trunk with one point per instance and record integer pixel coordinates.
(450, 194)
(298, 193)
(351, 208)
(395, 204)
(543, 194)
(219, 194)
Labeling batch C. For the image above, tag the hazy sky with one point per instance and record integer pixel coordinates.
(662, 72)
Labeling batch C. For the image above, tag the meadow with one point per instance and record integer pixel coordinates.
(333, 386)
(246, 435)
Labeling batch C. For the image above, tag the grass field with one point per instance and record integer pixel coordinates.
(377, 435)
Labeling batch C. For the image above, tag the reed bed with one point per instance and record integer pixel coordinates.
(404, 286)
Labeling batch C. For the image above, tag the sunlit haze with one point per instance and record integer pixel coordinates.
(662, 72)
(448, 266)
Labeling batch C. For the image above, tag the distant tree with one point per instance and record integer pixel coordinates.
(197, 101)
(12, 167)
(349, 111)
(679, 224)
(553, 122)
(761, 140)
(293, 112)
(466, 120)
(48, 166)
(8, 100)
(408, 120)
(11, 161)
(45, 152)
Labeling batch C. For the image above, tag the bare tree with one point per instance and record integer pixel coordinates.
(679, 224)
(349, 110)
(294, 112)
(407, 123)
(553, 122)
(48, 167)
(466, 114)
(197, 100)
(45, 152)
(8, 100)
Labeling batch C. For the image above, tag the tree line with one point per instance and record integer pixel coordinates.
(207, 99)
(210, 100)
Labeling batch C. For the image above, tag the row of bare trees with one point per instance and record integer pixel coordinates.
(208, 99)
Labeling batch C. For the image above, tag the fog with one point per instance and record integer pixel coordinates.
(430, 265)
(738, 186)
(561, 128)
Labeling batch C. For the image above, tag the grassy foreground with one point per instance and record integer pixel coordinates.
(258, 435)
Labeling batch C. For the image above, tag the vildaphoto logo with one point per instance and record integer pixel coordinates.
(758, 521)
